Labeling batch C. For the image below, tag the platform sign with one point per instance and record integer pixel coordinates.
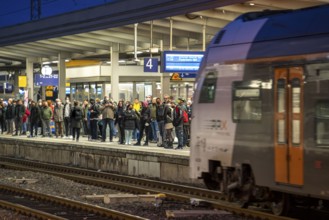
(181, 61)
(151, 65)
(46, 80)
(7, 86)
(188, 75)
(22, 81)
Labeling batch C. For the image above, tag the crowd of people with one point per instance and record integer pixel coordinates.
(152, 120)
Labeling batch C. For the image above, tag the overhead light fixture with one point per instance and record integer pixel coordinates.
(138, 52)
(154, 50)
(251, 3)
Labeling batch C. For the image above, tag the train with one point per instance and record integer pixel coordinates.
(260, 120)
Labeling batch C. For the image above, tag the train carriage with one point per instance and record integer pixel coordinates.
(260, 130)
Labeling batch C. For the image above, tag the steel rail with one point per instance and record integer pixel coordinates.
(28, 211)
(130, 184)
(108, 213)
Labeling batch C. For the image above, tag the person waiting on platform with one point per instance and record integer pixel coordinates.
(34, 119)
(108, 111)
(67, 123)
(59, 118)
(161, 112)
(93, 118)
(130, 121)
(119, 120)
(25, 121)
(178, 124)
(154, 124)
(76, 120)
(85, 107)
(137, 108)
(46, 115)
(169, 127)
(144, 124)
(2, 117)
(18, 114)
(9, 115)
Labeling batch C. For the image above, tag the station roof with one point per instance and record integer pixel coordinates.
(89, 34)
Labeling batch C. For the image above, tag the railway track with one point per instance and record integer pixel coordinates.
(136, 185)
(43, 206)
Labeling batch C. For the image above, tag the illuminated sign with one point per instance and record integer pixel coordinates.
(46, 80)
(181, 61)
(46, 70)
(151, 65)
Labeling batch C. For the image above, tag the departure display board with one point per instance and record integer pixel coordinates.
(181, 61)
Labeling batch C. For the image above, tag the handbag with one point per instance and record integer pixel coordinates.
(169, 125)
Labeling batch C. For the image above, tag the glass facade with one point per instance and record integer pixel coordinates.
(82, 91)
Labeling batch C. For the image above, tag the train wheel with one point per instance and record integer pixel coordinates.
(281, 204)
(210, 183)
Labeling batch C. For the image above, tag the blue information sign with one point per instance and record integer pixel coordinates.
(46, 80)
(151, 65)
(181, 61)
(188, 75)
(8, 87)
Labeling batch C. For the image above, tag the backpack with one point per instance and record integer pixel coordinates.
(77, 114)
(185, 116)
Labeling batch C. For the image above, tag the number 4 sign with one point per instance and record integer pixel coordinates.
(151, 65)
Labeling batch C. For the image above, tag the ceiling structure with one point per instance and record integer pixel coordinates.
(187, 34)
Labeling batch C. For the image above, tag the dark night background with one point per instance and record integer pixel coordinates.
(19, 11)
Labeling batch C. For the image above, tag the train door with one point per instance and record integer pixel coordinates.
(288, 125)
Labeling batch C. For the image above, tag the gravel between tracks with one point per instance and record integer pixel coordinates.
(65, 188)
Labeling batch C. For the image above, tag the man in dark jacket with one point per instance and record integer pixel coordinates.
(161, 112)
(10, 116)
(34, 119)
(178, 123)
(144, 124)
(94, 113)
(18, 116)
(2, 117)
(108, 111)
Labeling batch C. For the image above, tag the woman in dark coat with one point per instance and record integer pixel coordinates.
(119, 119)
(76, 117)
(34, 119)
(129, 123)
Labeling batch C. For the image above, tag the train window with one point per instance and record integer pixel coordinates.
(281, 108)
(322, 123)
(208, 90)
(247, 105)
(296, 91)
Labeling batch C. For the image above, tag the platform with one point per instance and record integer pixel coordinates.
(146, 161)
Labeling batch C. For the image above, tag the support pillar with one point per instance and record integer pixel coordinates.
(115, 72)
(165, 85)
(29, 77)
(61, 76)
(154, 88)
